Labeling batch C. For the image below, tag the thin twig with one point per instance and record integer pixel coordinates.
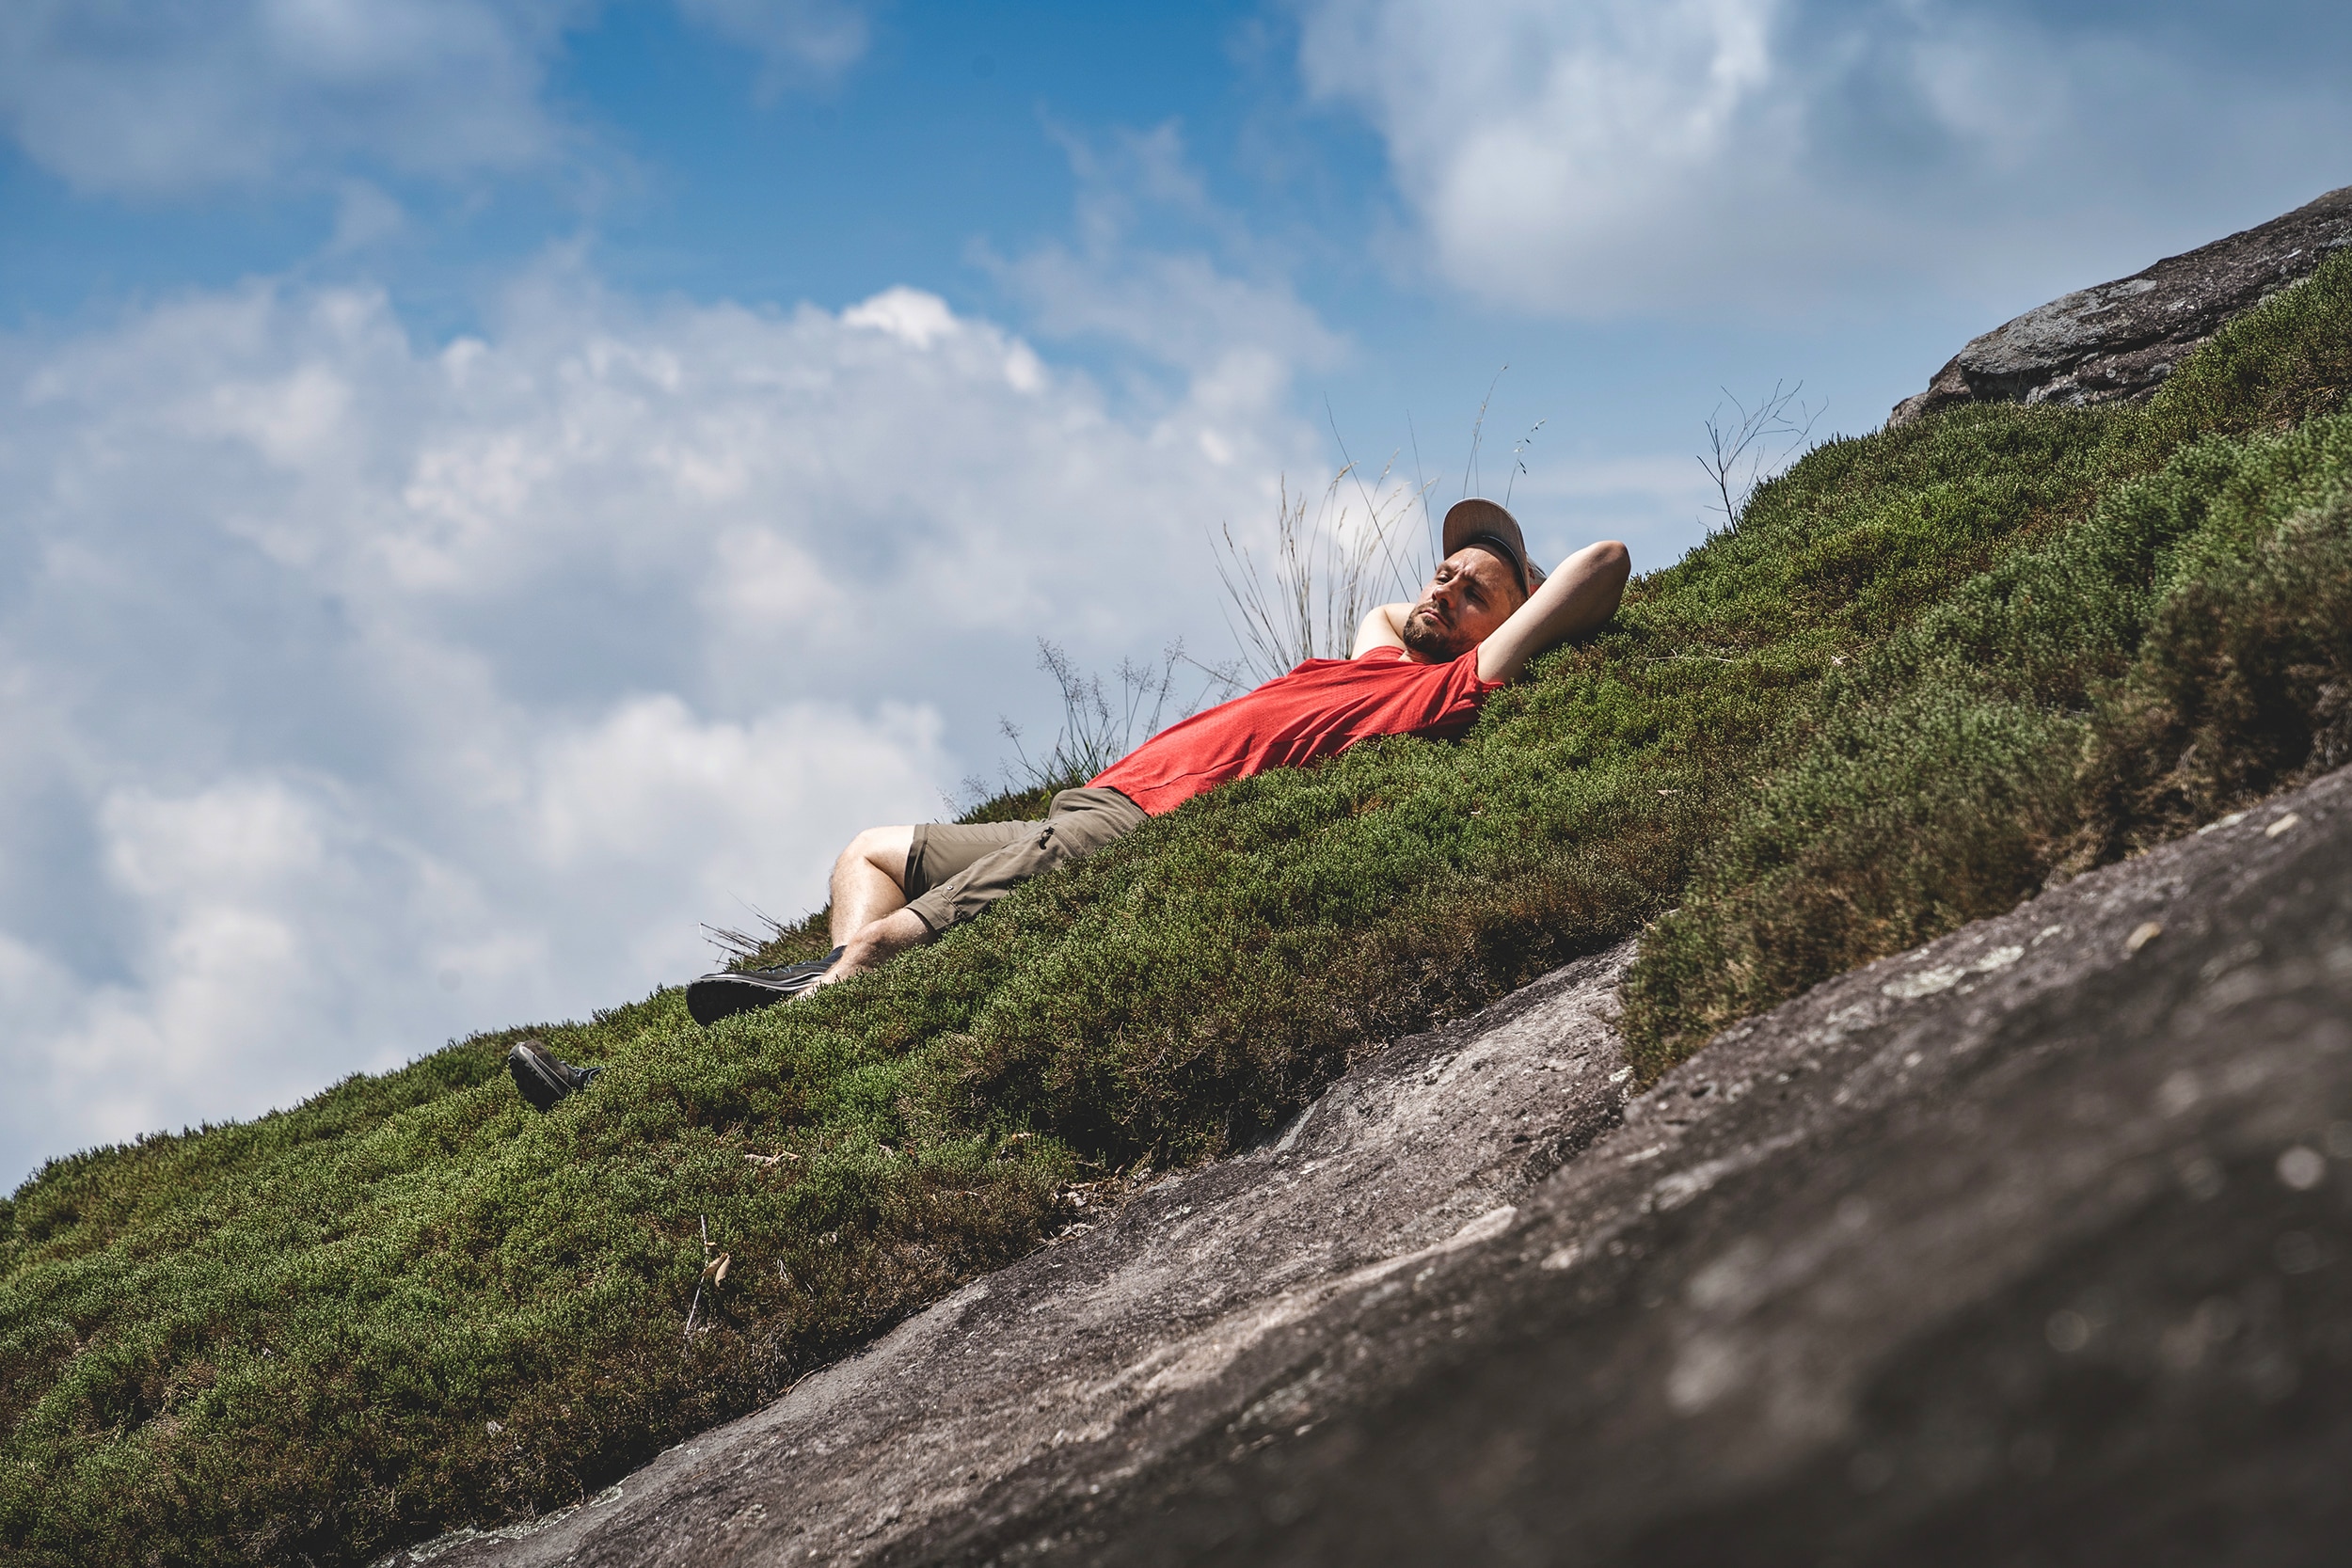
(1729, 446)
(1098, 729)
(714, 1271)
(1420, 488)
(1399, 578)
(1519, 465)
(1478, 431)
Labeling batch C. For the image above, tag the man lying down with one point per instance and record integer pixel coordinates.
(1419, 668)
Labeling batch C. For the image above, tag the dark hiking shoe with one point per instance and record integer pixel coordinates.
(739, 991)
(542, 1077)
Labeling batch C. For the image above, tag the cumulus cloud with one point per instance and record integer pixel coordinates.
(1160, 268)
(795, 38)
(167, 98)
(1710, 156)
(362, 691)
(161, 98)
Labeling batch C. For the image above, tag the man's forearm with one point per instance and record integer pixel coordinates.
(1578, 599)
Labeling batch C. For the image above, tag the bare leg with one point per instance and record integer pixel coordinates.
(870, 922)
(876, 941)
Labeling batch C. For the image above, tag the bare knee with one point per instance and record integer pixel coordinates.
(883, 848)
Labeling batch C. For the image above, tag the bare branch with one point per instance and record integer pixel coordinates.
(1737, 451)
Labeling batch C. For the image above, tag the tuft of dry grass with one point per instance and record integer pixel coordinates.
(1324, 576)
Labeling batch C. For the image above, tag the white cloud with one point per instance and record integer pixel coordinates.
(362, 692)
(170, 98)
(797, 38)
(364, 215)
(284, 928)
(1702, 157)
(1215, 308)
(154, 97)
(914, 318)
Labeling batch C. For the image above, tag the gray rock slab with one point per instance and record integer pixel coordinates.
(2121, 340)
(1121, 1345)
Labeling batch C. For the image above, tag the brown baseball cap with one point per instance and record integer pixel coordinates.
(1478, 521)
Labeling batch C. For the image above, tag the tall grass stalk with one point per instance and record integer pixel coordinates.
(1325, 574)
(1098, 727)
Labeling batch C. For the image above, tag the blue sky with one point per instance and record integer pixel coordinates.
(491, 484)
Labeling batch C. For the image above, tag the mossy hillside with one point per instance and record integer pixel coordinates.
(2181, 649)
(1927, 670)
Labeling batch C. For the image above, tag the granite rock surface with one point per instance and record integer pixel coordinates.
(2033, 1245)
(2121, 340)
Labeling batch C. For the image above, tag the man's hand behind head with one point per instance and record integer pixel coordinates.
(1577, 599)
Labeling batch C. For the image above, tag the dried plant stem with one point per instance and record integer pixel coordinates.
(1326, 575)
(1737, 450)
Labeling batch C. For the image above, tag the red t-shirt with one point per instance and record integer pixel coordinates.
(1318, 710)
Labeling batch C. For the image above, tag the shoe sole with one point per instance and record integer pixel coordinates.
(717, 996)
(539, 1086)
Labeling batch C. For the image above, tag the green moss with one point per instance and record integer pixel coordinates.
(2271, 367)
(2028, 725)
(1929, 669)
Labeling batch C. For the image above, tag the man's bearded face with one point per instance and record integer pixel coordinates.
(1472, 592)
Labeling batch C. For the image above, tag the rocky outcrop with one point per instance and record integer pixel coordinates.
(2033, 1245)
(2121, 340)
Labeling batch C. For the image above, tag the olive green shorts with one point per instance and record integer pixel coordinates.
(955, 870)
